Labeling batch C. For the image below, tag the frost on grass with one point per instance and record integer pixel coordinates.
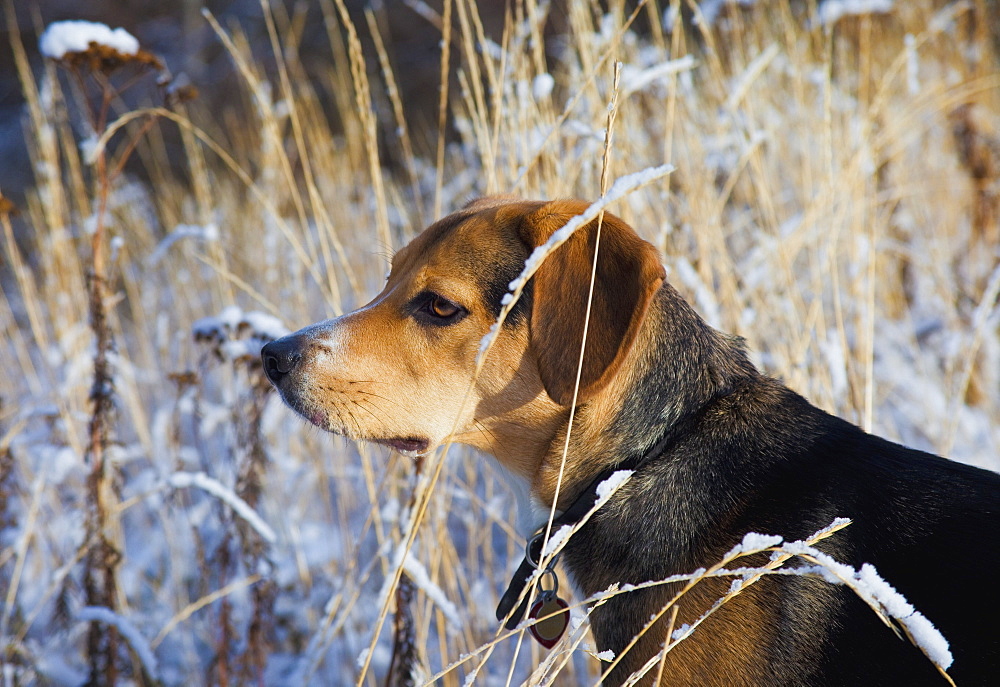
(208, 233)
(64, 37)
(870, 585)
(183, 480)
(831, 11)
(866, 582)
(607, 488)
(556, 540)
(419, 576)
(636, 79)
(403, 557)
(681, 632)
(484, 343)
(618, 190)
(878, 594)
(622, 187)
(541, 87)
(127, 630)
(752, 543)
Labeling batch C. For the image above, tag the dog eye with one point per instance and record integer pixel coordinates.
(439, 310)
(441, 307)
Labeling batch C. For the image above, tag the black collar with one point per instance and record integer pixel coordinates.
(572, 515)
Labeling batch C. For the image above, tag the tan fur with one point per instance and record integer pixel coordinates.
(628, 274)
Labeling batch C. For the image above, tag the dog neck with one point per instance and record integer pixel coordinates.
(677, 365)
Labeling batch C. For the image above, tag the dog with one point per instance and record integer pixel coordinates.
(718, 450)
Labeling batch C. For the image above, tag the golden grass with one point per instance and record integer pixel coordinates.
(822, 208)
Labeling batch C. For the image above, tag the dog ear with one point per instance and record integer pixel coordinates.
(628, 274)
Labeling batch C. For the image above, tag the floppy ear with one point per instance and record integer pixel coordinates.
(628, 274)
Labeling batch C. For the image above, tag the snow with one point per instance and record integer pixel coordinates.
(865, 582)
(183, 480)
(541, 87)
(127, 630)
(622, 187)
(57, 668)
(226, 321)
(265, 326)
(61, 462)
(557, 540)
(635, 79)
(63, 37)
(929, 639)
(494, 330)
(832, 11)
(208, 233)
(752, 543)
(894, 603)
(237, 334)
(870, 585)
(944, 20)
(877, 593)
(420, 577)
(710, 9)
(89, 149)
(607, 488)
(682, 632)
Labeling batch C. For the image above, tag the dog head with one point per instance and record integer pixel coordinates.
(400, 370)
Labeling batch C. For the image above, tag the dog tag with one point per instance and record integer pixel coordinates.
(549, 630)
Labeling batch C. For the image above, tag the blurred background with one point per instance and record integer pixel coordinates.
(835, 203)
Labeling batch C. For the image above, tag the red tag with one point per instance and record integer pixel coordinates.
(551, 628)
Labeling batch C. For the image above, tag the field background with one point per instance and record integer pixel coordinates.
(835, 203)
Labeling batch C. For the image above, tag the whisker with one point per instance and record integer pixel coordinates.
(371, 412)
(496, 446)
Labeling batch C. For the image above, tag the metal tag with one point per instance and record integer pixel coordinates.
(555, 619)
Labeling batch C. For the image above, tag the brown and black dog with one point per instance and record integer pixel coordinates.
(733, 451)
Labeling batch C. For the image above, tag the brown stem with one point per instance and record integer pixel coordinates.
(130, 146)
(102, 559)
(225, 642)
(405, 654)
(250, 487)
(404, 640)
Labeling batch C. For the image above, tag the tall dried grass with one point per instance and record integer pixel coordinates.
(830, 205)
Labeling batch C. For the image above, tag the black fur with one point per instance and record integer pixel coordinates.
(494, 281)
(748, 454)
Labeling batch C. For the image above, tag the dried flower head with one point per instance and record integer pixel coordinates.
(238, 336)
(176, 89)
(95, 46)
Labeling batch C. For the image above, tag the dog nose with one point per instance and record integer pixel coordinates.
(280, 357)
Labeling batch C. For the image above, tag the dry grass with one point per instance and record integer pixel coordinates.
(828, 206)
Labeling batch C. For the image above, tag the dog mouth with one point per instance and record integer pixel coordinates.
(410, 446)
